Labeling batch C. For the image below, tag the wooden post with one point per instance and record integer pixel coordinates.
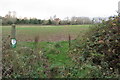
(69, 41)
(13, 36)
(13, 31)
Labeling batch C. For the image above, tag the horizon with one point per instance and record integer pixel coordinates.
(43, 9)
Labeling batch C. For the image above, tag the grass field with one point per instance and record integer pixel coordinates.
(45, 33)
(48, 59)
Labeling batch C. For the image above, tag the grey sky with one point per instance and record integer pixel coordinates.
(62, 8)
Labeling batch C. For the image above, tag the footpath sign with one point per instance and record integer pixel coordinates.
(13, 43)
(13, 34)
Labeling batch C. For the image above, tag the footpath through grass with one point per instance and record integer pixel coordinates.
(56, 52)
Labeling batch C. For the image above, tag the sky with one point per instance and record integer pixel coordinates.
(43, 9)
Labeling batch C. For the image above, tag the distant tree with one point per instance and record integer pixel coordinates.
(73, 20)
(45, 22)
(10, 18)
(31, 21)
(35, 21)
(80, 20)
(57, 21)
(49, 22)
(39, 21)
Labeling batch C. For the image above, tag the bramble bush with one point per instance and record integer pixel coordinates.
(101, 44)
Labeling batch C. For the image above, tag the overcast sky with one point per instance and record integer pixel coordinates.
(43, 9)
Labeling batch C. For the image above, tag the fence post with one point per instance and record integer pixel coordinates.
(13, 36)
(69, 41)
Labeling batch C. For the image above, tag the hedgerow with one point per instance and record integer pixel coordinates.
(101, 46)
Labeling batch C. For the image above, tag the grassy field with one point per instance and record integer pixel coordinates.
(46, 58)
(45, 33)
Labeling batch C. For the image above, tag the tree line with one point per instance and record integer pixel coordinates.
(11, 18)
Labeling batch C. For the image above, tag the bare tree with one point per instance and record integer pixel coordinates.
(11, 17)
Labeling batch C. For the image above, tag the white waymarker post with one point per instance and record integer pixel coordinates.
(13, 34)
(119, 8)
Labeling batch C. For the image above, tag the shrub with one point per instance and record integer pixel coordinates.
(101, 44)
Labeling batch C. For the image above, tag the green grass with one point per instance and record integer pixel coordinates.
(60, 57)
(57, 55)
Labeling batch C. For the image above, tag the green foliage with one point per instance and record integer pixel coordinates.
(107, 41)
(23, 62)
(102, 46)
(49, 22)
